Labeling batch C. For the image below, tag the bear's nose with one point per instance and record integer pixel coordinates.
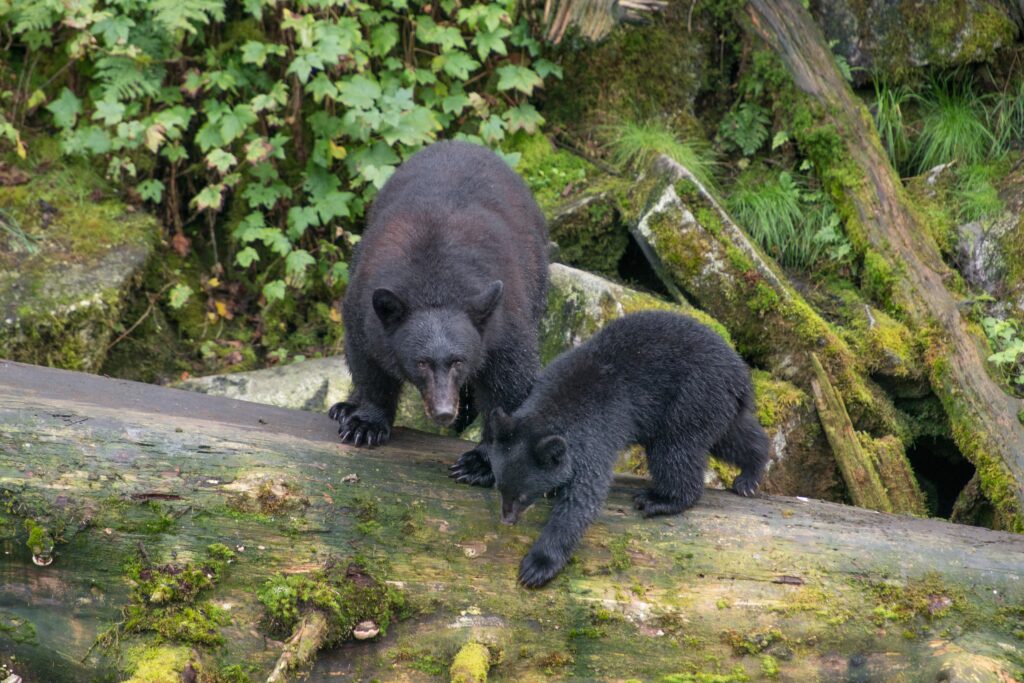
(444, 417)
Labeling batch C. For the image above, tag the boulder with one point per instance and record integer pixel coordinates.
(891, 38)
(69, 258)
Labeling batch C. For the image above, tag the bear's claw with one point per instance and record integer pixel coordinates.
(358, 430)
(746, 484)
(537, 569)
(472, 468)
(651, 504)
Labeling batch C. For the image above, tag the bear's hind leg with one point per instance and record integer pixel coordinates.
(677, 477)
(746, 446)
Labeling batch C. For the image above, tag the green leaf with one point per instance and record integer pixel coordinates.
(151, 190)
(246, 257)
(383, 38)
(274, 291)
(209, 198)
(333, 205)
(65, 109)
(432, 33)
(298, 261)
(233, 123)
(179, 295)
(300, 218)
(359, 91)
(780, 138)
(455, 63)
(208, 136)
(339, 272)
(524, 117)
(513, 76)
(545, 68)
(321, 87)
(221, 160)
(454, 103)
(493, 129)
(487, 42)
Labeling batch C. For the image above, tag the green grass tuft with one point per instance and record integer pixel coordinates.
(974, 195)
(892, 130)
(634, 145)
(953, 126)
(1007, 114)
(795, 226)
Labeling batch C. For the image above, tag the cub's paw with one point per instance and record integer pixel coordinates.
(651, 504)
(746, 483)
(357, 428)
(473, 468)
(537, 568)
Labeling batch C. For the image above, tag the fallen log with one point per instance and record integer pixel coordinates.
(903, 267)
(139, 487)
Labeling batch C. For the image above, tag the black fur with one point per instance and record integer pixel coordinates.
(448, 286)
(658, 379)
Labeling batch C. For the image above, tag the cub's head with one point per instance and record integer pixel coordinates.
(438, 349)
(527, 463)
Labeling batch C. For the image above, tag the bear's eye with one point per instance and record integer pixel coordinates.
(522, 498)
(422, 365)
(457, 364)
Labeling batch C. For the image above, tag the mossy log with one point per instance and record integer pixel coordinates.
(696, 248)
(146, 490)
(903, 268)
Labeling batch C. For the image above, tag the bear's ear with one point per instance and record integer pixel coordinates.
(501, 424)
(389, 308)
(550, 452)
(483, 304)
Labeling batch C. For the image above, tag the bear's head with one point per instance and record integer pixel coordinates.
(440, 348)
(528, 462)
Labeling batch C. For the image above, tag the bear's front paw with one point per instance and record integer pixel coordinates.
(537, 568)
(746, 483)
(473, 468)
(357, 428)
(651, 504)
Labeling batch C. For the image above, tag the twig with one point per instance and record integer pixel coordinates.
(149, 309)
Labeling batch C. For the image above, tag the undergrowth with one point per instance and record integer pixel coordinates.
(634, 144)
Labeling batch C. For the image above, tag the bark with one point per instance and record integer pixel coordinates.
(881, 220)
(119, 474)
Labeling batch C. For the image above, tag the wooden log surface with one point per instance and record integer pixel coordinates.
(741, 589)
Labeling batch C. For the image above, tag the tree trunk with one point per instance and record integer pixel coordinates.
(129, 483)
(909, 274)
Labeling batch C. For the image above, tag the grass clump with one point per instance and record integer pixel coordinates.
(795, 226)
(1007, 113)
(888, 113)
(953, 126)
(634, 144)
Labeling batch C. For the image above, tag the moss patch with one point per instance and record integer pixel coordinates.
(160, 664)
(471, 664)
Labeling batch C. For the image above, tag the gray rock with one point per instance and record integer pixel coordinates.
(894, 37)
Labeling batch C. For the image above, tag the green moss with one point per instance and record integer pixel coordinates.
(471, 664)
(919, 601)
(16, 629)
(888, 458)
(878, 278)
(39, 542)
(619, 548)
(769, 666)
(346, 595)
(754, 642)
(590, 235)
(157, 664)
(764, 299)
(550, 173)
(775, 399)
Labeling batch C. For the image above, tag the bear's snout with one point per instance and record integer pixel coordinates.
(441, 398)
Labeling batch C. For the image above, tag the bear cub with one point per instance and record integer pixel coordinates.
(448, 286)
(657, 379)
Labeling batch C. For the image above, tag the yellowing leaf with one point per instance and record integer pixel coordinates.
(222, 309)
(338, 151)
(334, 315)
(213, 282)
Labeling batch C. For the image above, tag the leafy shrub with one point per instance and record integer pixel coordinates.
(795, 226)
(1004, 337)
(745, 128)
(634, 144)
(279, 119)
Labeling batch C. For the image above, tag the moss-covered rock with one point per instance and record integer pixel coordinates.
(638, 72)
(69, 256)
(892, 39)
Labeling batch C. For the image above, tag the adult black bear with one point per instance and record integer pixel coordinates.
(447, 289)
(658, 379)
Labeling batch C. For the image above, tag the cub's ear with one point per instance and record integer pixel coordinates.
(483, 304)
(550, 452)
(501, 424)
(389, 308)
